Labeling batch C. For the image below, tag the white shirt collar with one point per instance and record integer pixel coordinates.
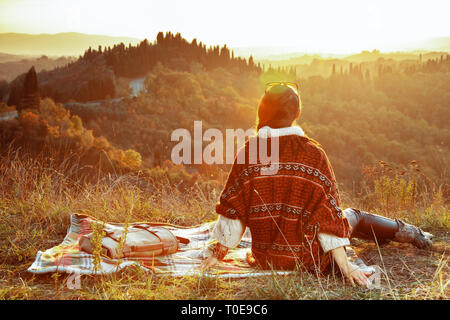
(267, 131)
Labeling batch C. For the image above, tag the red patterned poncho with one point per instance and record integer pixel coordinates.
(302, 199)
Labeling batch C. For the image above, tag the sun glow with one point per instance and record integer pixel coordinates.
(310, 26)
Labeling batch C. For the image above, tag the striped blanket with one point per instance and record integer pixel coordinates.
(67, 256)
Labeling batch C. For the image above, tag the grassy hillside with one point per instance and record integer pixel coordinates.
(37, 197)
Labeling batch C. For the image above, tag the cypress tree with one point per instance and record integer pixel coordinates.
(30, 94)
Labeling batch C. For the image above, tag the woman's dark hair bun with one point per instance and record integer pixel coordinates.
(278, 107)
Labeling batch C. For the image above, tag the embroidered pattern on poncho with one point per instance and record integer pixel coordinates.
(287, 210)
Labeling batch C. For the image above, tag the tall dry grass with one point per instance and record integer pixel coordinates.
(38, 195)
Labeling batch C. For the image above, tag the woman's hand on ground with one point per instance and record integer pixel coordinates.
(351, 272)
(355, 275)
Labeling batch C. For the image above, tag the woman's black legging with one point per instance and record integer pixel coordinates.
(367, 226)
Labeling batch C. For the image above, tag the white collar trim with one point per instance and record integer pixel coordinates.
(267, 131)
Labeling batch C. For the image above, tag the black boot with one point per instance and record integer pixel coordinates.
(368, 226)
(412, 234)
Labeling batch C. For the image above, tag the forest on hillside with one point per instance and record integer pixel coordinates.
(93, 76)
(380, 111)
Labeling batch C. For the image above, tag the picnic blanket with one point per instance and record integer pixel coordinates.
(68, 258)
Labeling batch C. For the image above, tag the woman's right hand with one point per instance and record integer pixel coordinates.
(351, 272)
(355, 275)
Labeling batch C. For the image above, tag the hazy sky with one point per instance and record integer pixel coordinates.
(333, 26)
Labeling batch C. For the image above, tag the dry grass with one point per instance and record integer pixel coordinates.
(36, 201)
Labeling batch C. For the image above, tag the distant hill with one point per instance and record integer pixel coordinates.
(398, 56)
(59, 44)
(12, 68)
(313, 65)
(262, 54)
(301, 58)
(6, 57)
(431, 44)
